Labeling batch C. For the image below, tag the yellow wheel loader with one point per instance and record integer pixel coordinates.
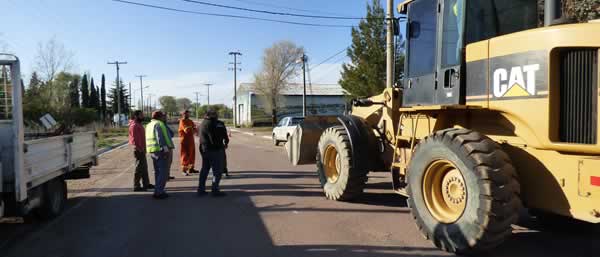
(495, 113)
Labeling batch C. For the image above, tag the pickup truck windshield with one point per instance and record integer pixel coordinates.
(5, 93)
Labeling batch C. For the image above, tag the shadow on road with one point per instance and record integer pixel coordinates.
(131, 224)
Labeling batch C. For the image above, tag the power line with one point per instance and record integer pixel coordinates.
(329, 58)
(232, 16)
(284, 7)
(273, 12)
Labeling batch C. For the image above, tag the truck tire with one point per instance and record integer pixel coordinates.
(54, 198)
(463, 191)
(340, 180)
(275, 141)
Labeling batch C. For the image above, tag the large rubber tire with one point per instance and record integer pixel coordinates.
(275, 141)
(349, 182)
(54, 198)
(491, 195)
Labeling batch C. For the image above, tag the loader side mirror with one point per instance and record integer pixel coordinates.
(396, 27)
(414, 29)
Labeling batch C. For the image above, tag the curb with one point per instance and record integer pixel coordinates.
(249, 133)
(106, 150)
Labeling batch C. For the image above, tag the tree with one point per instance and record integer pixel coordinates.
(34, 85)
(168, 103)
(123, 97)
(103, 97)
(183, 104)
(74, 93)
(280, 64)
(52, 57)
(85, 95)
(582, 10)
(366, 74)
(93, 95)
(98, 103)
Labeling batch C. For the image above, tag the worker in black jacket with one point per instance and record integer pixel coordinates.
(223, 132)
(212, 149)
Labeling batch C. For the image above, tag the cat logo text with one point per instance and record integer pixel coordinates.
(519, 81)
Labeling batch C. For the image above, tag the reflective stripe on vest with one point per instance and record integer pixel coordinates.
(152, 145)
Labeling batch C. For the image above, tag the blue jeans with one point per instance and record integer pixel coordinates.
(214, 159)
(159, 160)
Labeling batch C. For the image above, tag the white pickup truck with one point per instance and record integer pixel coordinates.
(33, 172)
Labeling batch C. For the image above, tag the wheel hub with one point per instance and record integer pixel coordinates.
(332, 163)
(444, 191)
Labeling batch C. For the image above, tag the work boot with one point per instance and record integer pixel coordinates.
(185, 172)
(171, 177)
(218, 193)
(193, 171)
(139, 189)
(160, 196)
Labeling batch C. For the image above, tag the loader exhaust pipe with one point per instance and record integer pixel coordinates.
(553, 13)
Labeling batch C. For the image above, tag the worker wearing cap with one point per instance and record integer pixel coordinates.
(158, 144)
(212, 149)
(187, 130)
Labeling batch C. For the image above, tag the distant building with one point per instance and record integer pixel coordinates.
(321, 99)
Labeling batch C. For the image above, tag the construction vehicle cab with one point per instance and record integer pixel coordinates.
(495, 112)
(437, 33)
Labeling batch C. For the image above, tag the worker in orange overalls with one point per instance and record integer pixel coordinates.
(187, 130)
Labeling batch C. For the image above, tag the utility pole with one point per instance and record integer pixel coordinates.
(129, 101)
(117, 63)
(141, 91)
(150, 102)
(208, 85)
(390, 44)
(235, 70)
(197, 104)
(304, 60)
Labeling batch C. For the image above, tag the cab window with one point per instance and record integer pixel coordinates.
(422, 24)
(487, 19)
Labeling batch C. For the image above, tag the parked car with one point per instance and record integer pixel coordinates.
(285, 128)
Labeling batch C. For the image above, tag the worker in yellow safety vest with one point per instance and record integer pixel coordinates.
(159, 144)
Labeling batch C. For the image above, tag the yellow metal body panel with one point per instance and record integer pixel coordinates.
(546, 38)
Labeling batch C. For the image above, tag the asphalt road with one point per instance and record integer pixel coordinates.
(272, 209)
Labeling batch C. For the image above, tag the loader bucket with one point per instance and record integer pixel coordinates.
(302, 145)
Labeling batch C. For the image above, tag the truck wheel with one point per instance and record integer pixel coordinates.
(54, 198)
(340, 180)
(275, 141)
(463, 191)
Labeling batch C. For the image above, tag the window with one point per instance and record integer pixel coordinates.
(422, 25)
(296, 121)
(282, 122)
(487, 19)
(6, 88)
(452, 37)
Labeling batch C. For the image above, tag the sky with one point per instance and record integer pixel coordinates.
(178, 52)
